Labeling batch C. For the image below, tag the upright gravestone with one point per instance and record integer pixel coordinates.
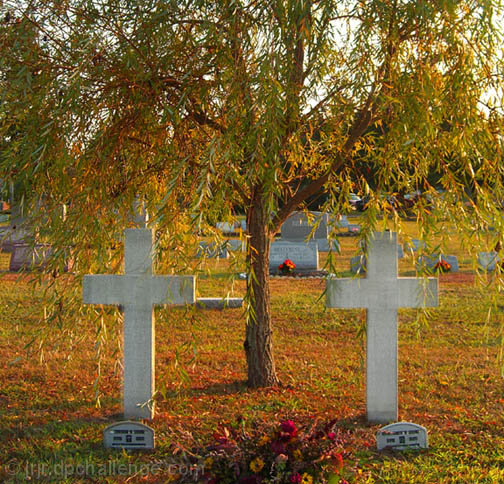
(487, 261)
(303, 254)
(300, 225)
(137, 291)
(432, 262)
(381, 292)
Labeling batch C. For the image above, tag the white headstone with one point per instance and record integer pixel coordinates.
(303, 254)
(137, 291)
(381, 292)
(128, 435)
(402, 435)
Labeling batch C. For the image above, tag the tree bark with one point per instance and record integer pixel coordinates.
(258, 337)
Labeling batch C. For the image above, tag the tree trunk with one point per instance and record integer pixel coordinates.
(258, 341)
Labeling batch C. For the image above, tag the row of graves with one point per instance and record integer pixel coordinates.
(380, 291)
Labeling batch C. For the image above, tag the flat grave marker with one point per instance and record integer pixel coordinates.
(128, 435)
(381, 292)
(401, 436)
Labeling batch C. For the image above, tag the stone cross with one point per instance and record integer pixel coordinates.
(381, 292)
(137, 291)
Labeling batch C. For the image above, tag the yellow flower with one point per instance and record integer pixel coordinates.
(297, 455)
(256, 465)
(208, 462)
(306, 479)
(263, 440)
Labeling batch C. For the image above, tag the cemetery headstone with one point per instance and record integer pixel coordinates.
(137, 291)
(26, 257)
(414, 245)
(233, 228)
(401, 436)
(236, 245)
(128, 435)
(429, 262)
(487, 261)
(303, 254)
(300, 225)
(210, 250)
(381, 292)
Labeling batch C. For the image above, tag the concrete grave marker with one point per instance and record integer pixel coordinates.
(128, 435)
(303, 254)
(381, 292)
(137, 291)
(402, 435)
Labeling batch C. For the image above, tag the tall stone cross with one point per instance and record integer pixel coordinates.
(137, 291)
(381, 292)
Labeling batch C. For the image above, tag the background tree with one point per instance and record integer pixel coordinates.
(203, 107)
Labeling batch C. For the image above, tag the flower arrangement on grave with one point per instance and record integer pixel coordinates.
(284, 455)
(442, 266)
(287, 266)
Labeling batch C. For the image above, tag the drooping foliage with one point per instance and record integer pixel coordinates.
(208, 109)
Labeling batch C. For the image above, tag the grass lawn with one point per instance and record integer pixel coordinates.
(449, 382)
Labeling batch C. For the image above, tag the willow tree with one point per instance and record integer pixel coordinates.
(206, 107)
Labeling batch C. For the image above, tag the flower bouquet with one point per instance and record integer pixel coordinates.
(283, 455)
(287, 267)
(442, 266)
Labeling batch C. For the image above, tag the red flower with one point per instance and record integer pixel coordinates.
(442, 266)
(295, 478)
(289, 427)
(331, 435)
(338, 460)
(287, 266)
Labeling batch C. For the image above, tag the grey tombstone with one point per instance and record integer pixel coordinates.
(342, 222)
(300, 225)
(487, 261)
(228, 228)
(324, 245)
(381, 292)
(26, 257)
(303, 254)
(401, 436)
(137, 291)
(128, 435)
(236, 245)
(427, 262)
(211, 250)
(413, 245)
